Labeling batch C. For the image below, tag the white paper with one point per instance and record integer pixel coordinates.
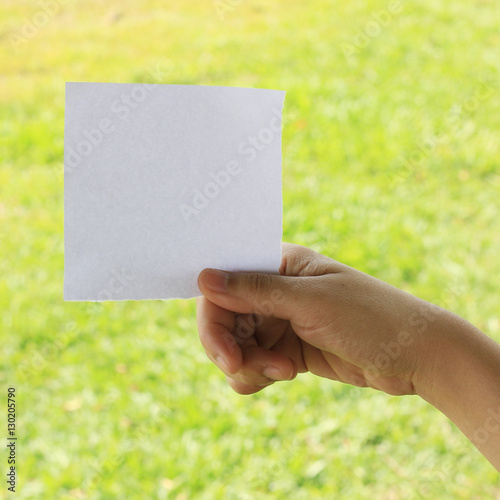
(162, 181)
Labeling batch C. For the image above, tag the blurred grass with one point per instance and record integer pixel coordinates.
(117, 401)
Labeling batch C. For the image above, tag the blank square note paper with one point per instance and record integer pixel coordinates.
(161, 181)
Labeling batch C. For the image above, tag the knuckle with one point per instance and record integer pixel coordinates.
(230, 342)
(258, 283)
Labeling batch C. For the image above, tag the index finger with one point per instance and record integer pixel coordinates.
(215, 325)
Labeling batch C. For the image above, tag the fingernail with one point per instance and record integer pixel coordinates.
(222, 363)
(273, 373)
(216, 280)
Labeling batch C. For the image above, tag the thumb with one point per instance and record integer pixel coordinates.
(259, 293)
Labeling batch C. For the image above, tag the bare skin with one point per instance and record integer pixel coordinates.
(321, 316)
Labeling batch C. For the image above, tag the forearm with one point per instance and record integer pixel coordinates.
(462, 379)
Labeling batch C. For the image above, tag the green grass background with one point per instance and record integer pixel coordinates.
(117, 400)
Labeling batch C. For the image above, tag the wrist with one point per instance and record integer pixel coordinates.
(442, 349)
(460, 376)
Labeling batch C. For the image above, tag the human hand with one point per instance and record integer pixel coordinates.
(318, 315)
